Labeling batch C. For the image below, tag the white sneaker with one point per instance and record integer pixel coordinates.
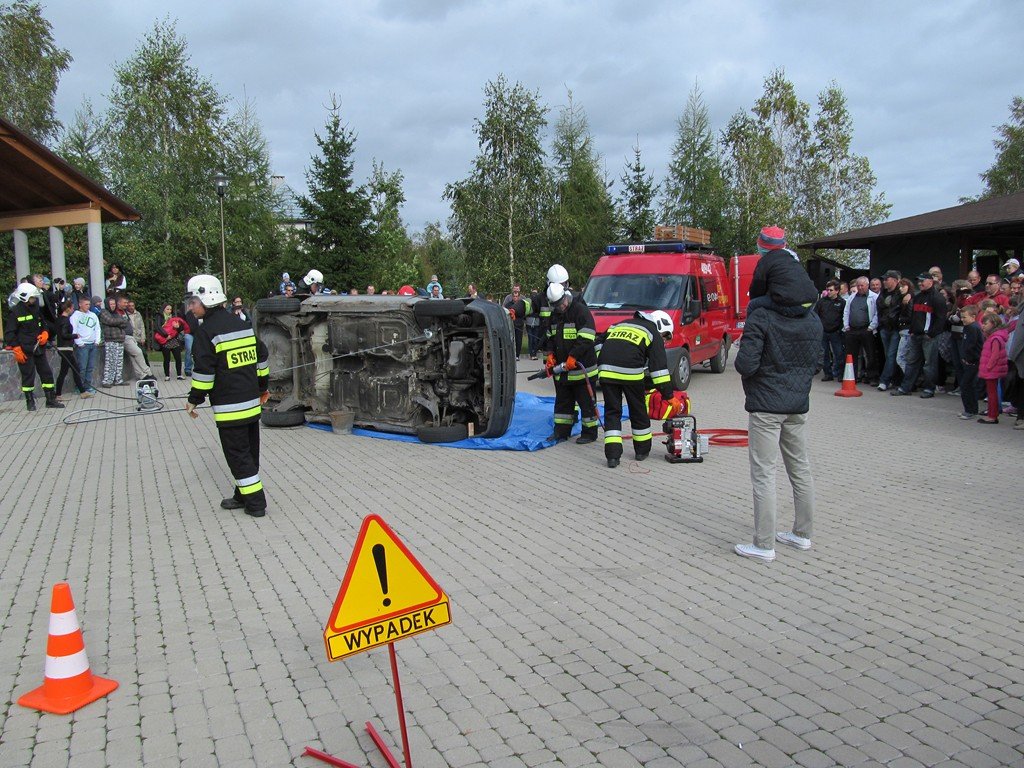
(792, 540)
(749, 550)
(883, 387)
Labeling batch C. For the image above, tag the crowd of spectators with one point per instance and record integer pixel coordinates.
(930, 337)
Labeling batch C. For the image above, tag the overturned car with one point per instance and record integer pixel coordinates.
(437, 369)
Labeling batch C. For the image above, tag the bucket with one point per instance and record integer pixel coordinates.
(341, 422)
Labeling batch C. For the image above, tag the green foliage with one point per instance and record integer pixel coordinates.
(1006, 175)
(163, 147)
(436, 254)
(694, 192)
(253, 240)
(581, 217)
(339, 242)
(635, 206)
(81, 143)
(30, 68)
(498, 210)
(394, 263)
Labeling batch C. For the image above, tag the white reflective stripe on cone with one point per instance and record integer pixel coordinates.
(848, 371)
(64, 623)
(61, 667)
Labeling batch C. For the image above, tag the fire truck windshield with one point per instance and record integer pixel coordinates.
(635, 291)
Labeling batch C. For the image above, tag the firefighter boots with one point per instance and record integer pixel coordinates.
(51, 399)
(231, 503)
(30, 401)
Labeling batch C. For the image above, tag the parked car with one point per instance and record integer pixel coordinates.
(441, 370)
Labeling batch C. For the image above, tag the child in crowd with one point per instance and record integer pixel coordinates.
(993, 364)
(970, 355)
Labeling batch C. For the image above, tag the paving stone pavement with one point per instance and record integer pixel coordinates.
(600, 617)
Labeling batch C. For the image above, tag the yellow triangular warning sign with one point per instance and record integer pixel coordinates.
(386, 595)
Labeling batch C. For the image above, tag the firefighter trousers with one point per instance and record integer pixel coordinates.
(639, 420)
(36, 363)
(567, 395)
(241, 446)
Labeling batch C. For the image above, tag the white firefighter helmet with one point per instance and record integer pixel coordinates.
(558, 274)
(661, 321)
(313, 276)
(556, 292)
(26, 291)
(207, 289)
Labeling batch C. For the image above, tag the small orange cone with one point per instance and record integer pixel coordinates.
(67, 682)
(849, 388)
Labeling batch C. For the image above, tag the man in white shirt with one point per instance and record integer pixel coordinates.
(85, 326)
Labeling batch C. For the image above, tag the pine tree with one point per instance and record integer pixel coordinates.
(581, 219)
(339, 242)
(31, 64)
(694, 192)
(393, 259)
(635, 205)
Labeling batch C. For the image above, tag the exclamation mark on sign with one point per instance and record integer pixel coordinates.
(382, 571)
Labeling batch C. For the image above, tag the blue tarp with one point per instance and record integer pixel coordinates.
(531, 424)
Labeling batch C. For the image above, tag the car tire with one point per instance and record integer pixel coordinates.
(682, 371)
(293, 417)
(278, 305)
(438, 308)
(721, 358)
(448, 434)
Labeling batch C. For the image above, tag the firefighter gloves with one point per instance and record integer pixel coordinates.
(43, 337)
(570, 363)
(19, 355)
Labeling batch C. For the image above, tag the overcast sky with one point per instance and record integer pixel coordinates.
(926, 82)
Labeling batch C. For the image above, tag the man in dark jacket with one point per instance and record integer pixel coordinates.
(830, 309)
(927, 321)
(778, 358)
(887, 306)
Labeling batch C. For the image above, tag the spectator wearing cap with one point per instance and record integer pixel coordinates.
(887, 306)
(286, 282)
(779, 279)
(993, 290)
(1012, 269)
(927, 321)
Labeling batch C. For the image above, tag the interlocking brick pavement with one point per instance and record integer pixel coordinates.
(600, 617)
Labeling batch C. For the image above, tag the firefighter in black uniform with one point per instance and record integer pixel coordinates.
(633, 350)
(26, 337)
(570, 342)
(230, 365)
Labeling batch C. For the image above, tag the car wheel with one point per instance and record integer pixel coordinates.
(718, 362)
(293, 417)
(681, 374)
(278, 305)
(448, 434)
(438, 308)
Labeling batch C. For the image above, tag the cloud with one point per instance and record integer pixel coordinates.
(925, 82)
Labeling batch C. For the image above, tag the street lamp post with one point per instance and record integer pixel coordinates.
(221, 182)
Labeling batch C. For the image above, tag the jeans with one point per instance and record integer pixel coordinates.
(86, 355)
(922, 353)
(890, 345)
(767, 434)
(832, 342)
(188, 354)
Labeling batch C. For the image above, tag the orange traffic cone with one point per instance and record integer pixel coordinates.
(67, 682)
(849, 388)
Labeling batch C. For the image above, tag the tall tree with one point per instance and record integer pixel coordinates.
(751, 158)
(694, 191)
(82, 142)
(435, 253)
(1006, 175)
(842, 195)
(254, 239)
(31, 64)
(581, 218)
(339, 241)
(635, 205)
(163, 147)
(497, 211)
(394, 262)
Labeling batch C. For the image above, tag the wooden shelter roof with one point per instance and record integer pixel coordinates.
(39, 189)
